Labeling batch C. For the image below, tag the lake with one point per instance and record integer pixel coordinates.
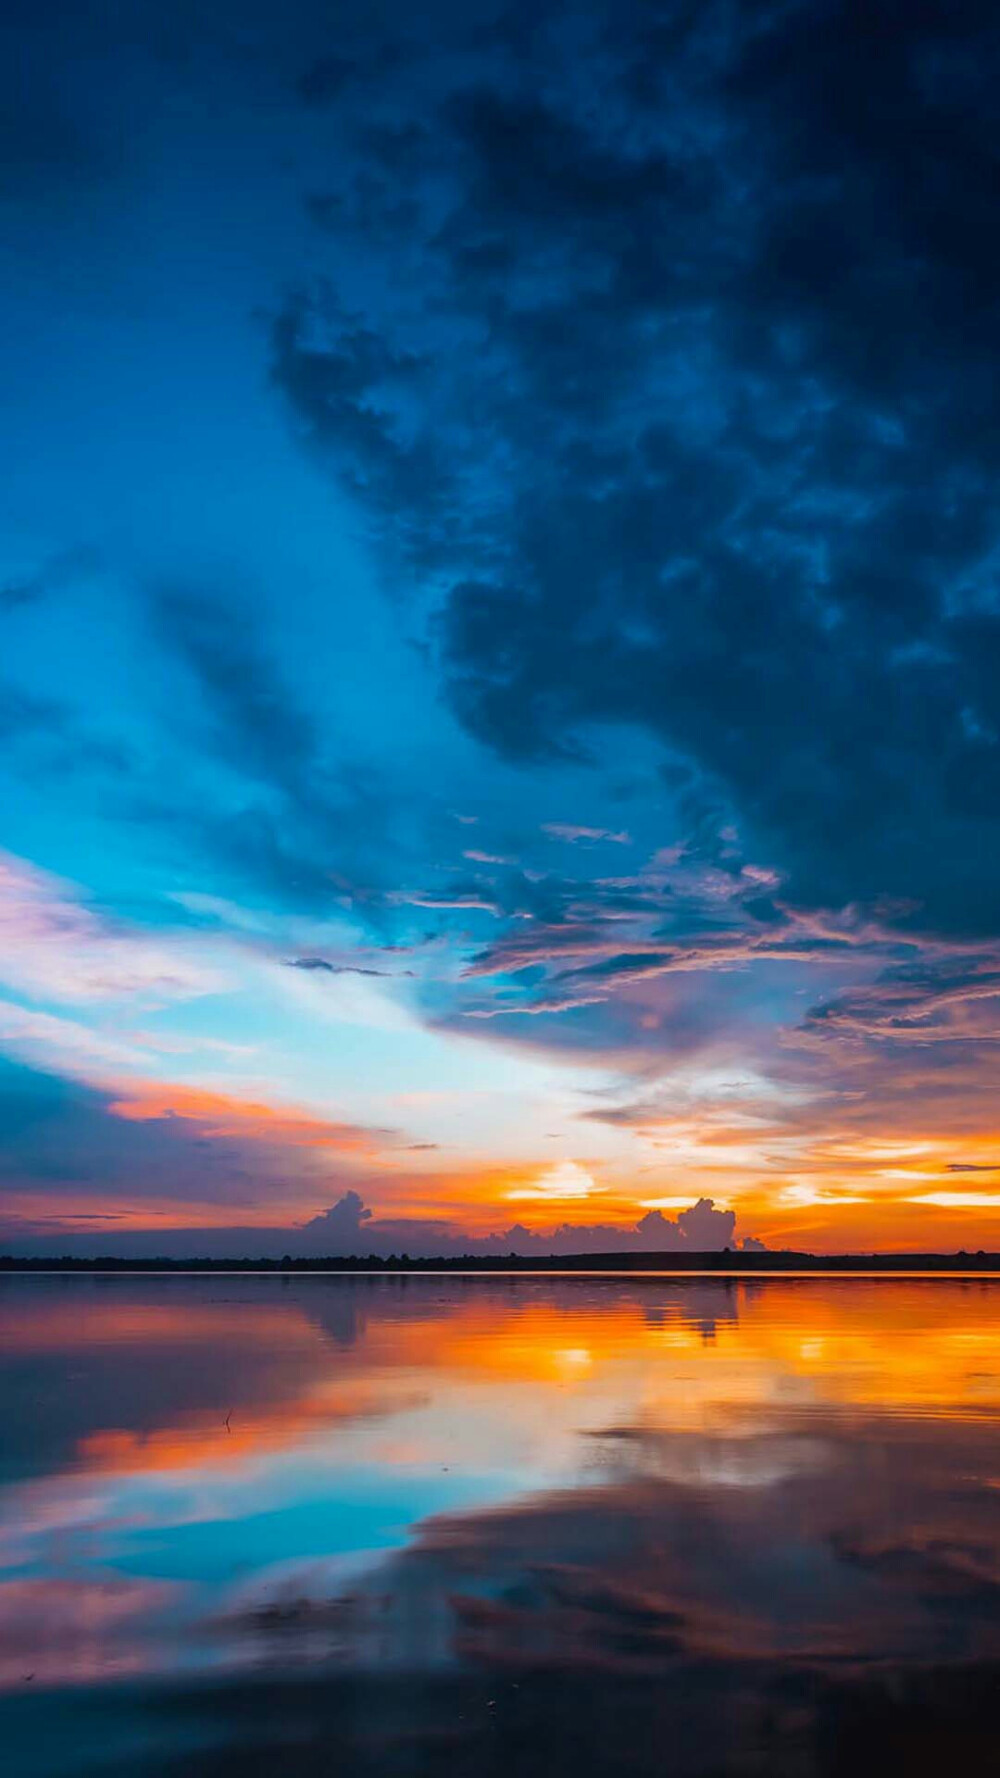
(418, 1525)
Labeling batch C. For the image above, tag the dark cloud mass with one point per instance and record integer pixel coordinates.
(688, 416)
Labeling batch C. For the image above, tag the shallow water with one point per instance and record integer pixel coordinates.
(539, 1525)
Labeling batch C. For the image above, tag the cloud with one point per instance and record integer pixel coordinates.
(652, 356)
(54, 947)
(321, 966)
(66, 1044)
(959, 1200)
(580, 945)
(951, 999)
(699, 1228)
(730, 477)
(219, 1114)
(342, 1225)
(245, 1140)
(563, 830)
(96, 1142)
(567, 1179)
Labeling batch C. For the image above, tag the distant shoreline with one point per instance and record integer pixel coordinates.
(725, 1263)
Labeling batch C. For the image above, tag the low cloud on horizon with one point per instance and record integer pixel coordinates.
(349, 1228)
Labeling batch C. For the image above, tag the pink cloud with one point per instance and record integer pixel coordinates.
(572, 833)
(53, 947)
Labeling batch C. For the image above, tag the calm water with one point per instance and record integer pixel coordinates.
(353, 1526)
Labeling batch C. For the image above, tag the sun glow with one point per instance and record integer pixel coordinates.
(566, 1181)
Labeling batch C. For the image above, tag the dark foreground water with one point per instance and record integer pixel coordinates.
(413, 1526)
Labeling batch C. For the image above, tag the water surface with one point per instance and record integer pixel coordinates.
(402, 1526)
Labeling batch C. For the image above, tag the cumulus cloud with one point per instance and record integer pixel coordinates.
(352, 1228)
(342, 1225)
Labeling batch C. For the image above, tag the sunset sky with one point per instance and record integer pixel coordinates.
(499, 626)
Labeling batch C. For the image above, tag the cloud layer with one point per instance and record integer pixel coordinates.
(508, 694)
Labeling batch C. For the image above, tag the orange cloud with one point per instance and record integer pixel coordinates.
(226, 1115)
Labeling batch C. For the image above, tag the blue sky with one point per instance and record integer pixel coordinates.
(498, 586)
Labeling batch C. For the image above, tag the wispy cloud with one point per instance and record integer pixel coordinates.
(574, 832)
(54, 947)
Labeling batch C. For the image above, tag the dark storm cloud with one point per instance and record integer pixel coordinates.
(690, 417)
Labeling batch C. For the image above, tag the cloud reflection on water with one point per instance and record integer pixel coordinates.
(725, 1492)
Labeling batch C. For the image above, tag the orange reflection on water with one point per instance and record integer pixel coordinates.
(557, 1356)
(203, 1441)
(781, 1464)
(898, 1343)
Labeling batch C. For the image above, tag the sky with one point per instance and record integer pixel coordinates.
(499, 626)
